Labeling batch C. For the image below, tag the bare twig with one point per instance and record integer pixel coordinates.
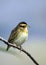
(29, 55)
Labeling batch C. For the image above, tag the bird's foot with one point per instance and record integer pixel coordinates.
(21, 48)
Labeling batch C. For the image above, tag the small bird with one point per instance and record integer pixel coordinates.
(18, 35)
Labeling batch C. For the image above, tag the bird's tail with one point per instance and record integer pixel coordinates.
(7, 47)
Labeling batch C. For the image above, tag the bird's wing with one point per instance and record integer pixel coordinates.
(13, 35)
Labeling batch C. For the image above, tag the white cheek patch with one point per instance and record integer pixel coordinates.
(26, 28)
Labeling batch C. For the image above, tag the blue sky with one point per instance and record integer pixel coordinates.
(31, 11)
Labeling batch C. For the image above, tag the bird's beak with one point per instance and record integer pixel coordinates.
(29, 26)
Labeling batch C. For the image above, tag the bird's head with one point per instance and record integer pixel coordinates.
(22, 26)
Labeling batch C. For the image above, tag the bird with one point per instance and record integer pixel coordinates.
(18, 35)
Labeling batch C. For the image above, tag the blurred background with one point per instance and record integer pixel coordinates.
(34, 13)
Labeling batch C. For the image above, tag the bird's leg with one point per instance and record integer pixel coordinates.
(16, 45)
(20, 48)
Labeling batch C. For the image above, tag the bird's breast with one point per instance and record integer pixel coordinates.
(22, 37)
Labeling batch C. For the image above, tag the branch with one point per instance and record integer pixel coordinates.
(7, 43)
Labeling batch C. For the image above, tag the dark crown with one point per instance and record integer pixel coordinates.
(23, 23)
